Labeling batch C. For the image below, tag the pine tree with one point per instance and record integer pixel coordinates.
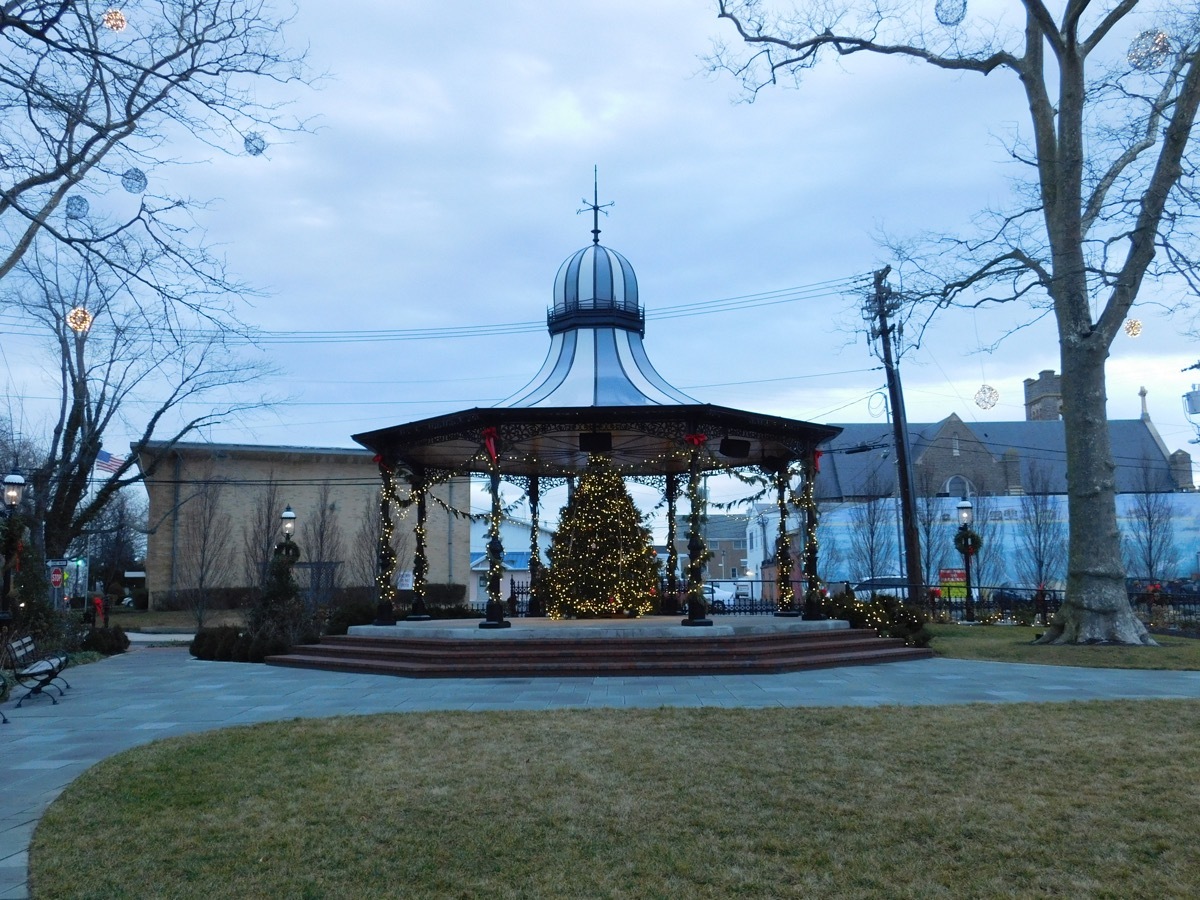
(602, 560)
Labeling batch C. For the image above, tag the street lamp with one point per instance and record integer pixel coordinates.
(14, 490)
(966, 543)
(288, 548)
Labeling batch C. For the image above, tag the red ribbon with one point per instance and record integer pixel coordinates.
(696, 440)
(817, 454)
(489, 441)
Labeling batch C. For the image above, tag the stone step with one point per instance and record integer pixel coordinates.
(499, 658)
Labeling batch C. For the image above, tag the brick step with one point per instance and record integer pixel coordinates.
(493, 651)
(500, 657)
(566, 668)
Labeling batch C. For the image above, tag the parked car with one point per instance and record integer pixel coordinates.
(719, 599)
(888, 584)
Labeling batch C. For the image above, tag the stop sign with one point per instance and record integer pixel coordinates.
(56, 577)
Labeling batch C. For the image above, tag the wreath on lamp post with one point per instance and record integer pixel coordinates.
(967, 542)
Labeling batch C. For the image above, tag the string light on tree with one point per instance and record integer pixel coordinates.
(950, 12)
(1133, 327)
(79, 320)
(134, 181)
(255, 143)
(114, 20)
(987, 397)
(1149, 50)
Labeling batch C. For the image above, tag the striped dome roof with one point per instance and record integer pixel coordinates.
(595, 278)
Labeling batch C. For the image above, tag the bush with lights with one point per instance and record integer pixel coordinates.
(889, 616)
(602, 559)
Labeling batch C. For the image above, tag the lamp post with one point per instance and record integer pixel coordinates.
(287, 548)
(14, 490)
(966, 546)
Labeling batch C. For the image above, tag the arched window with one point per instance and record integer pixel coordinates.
(959, 486)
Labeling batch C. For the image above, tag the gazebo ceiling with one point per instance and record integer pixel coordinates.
(556, 441)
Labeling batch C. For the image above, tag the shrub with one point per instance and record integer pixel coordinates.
(343, 614)
(209, 643)
(445, 594)
(109, 641)
(887, 615)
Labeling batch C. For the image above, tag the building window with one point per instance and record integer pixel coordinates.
(954, 445)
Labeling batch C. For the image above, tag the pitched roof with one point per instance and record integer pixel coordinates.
(863, 454)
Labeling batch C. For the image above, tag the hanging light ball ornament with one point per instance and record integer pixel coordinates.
(987, 397)
(255, 143)
(77, 207)
(950, 12)
(79, 320)
(134, 181)
(1133, 327)
(114, 20)
(1149, 50)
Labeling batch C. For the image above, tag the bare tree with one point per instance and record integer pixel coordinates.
(205, 542)
(90, 107)
(116, 539)
(1150, 550)
(873, 531)
(1108, 203)
(322, 545)
(1042, 533)
(937, 535)
(120, 363)
(364, 555)
(260, 531)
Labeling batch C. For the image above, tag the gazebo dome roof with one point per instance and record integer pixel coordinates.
(595, 278)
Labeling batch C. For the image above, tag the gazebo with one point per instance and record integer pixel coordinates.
(598, 393)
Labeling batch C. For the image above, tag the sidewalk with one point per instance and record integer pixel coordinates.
(150, 693)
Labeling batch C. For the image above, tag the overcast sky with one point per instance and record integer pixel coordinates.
(450, 156)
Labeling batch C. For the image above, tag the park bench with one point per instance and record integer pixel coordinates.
(36, 671)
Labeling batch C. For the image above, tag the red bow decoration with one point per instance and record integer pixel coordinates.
(696, 440)
(489, 441)
(817, 454)
(383, 467)
(17, 563)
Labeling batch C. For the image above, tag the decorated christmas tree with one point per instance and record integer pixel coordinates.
(602, 559)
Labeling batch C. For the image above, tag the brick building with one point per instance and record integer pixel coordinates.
(233, 494)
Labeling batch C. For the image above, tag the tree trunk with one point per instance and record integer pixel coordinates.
(1097, 607)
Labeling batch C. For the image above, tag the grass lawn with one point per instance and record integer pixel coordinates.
(1079, 800)
(182, 621)
(1014, 643)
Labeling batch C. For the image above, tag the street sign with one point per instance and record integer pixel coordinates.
(56, 575)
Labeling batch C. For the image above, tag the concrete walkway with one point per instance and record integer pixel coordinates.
(150, 693)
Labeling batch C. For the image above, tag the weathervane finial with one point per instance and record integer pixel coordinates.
(595, 206)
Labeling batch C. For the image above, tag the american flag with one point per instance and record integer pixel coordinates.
(106, 462)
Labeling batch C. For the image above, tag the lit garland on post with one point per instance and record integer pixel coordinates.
(698, 553)
(808, 501)
(385, 578)
(783, 547)
(670, 602)
(420, 487)
(495, 549)
(535, 559)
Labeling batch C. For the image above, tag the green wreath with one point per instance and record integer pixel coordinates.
(967, 542)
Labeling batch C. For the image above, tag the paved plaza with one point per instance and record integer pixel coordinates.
(157, 692)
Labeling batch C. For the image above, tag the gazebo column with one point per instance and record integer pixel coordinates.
(812, 592)
(783, 548)
(535, 559)
(420, 486)
(696, 549)
(670, 601)
(495, 551)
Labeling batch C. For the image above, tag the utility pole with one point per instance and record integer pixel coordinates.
(882, 304)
